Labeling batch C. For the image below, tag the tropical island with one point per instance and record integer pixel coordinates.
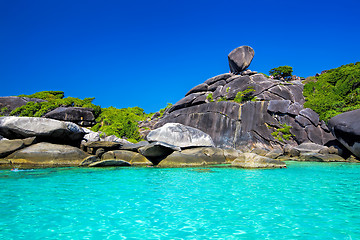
(240, 119)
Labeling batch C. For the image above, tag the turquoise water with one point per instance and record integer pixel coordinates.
(304, 201)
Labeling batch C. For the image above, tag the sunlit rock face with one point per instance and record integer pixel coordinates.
(244, 109)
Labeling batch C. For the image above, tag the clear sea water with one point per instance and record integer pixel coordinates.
(304, 201)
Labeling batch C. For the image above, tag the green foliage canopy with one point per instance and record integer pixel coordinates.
(46, 95)
(282, 71)
(53, 99)
(122, 123)
(334, 92)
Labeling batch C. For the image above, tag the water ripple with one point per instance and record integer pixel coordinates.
(305, 201)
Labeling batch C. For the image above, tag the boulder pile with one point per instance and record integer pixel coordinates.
(81, 116)
(243, 109)
(238, 119)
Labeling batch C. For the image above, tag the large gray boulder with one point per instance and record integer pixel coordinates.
(180, 135)
(42, 128)
(48, 154)
(156, 151)
(8, 104)
(81, 116)
(241, 111)
(91, 136)
(240, 58)
(346, 128)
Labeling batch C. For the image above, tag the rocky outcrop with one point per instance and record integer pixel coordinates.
(9, 146)
(194, 157)
(43, 129)
(48, 154)
(240, 58)
(157, 151)
(92, 147)
(180, 135)
(241, 111)
(90, 136)
(132, 157)
(346, 128)
(89, 160)
(81, 116)
(319, 157)
(8, 104)
(252, 160)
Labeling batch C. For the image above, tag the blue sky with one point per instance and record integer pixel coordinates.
(149, 53)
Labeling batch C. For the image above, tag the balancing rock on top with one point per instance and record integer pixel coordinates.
(240, 58)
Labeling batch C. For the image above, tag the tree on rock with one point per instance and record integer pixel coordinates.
(281, 72)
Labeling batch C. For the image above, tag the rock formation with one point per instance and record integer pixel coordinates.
(346, 128)
(81, 116)
(179, 135)
(8, 104)
(247, 109)
(241, 119)
(48, 154)
(41, 128)
(240, 58)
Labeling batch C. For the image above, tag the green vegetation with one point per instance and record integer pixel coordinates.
(283, 133)
(46, 95)
(54, 99)
(120, 122)
(334, 92)
(4, 110)
(162, 111)
(220, 99)
(282, 71)
(245, 95)
(209, 97)
(309, 79)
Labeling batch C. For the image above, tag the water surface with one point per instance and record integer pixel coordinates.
(304, 201)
